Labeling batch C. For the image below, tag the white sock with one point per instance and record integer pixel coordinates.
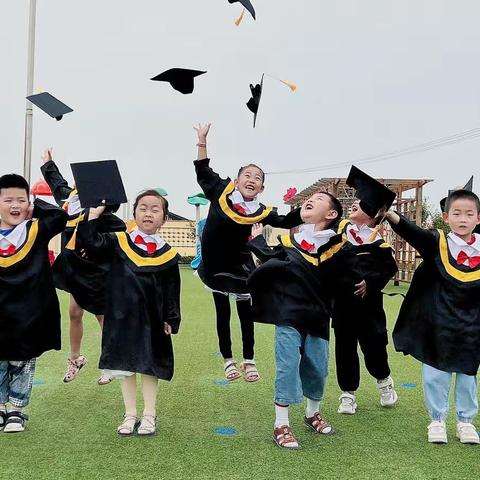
(281, 416)
(313, 406)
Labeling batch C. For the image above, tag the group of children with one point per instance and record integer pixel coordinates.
(330, 272)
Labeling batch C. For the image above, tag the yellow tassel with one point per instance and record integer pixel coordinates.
(73, 240)
(238, 21)
(290, 85)
(375, 231)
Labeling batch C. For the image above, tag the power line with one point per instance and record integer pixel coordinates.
(421, 147)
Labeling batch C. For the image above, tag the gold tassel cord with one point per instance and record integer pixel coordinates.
(375, 231)
(238, 21)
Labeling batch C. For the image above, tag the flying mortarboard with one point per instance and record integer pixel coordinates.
(181, 79)
(98, 181)
(49, 104)
(373, 195)
(468, 187)
(257, 90)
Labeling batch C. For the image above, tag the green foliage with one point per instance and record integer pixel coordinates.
(432, 217)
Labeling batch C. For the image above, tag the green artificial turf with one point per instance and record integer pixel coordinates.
(72, 431)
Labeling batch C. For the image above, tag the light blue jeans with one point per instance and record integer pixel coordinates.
(436, 388)
(301, 366)
(16, 380)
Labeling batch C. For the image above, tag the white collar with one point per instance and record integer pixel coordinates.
(73, 206)
(315, 237)
(148, 238)
(16, 237)
(250, 206)
(456, 244)
(364, 232)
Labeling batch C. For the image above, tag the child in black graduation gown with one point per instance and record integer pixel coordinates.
(73, 271)
(142, 305)
(30, 312)
(367, 264)
(291, 289)
(439, 321)
(234, 208)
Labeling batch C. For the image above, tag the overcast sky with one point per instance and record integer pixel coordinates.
(372, 75)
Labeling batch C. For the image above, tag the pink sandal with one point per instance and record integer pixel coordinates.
(73, 368)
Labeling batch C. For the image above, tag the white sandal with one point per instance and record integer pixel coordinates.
(128, 427)
(148, 426)
(231, 371)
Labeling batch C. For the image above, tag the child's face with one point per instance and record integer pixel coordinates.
(358, 216)
(317, 209)
(14, 203)
(250, 183)
(462, 216)
(149, 214)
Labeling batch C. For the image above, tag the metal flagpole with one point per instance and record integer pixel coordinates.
(27, 152)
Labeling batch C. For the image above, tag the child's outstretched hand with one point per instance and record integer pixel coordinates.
(167, 328)
(361, 289)
(257, 229)
(202, 132)
(47, 155)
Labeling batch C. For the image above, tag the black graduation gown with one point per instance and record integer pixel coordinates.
(292, 286)
(142, 292)
(374, 263)
(226, 231)
(73, 271)
(439, 321)
(29, 308)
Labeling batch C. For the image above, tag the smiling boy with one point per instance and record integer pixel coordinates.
(30, 313)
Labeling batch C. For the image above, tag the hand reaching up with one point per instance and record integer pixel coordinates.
(202, 132)
(47, 155)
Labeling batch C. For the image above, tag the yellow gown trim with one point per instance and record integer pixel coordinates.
(20, 254)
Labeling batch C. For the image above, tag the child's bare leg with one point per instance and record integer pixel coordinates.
(148, 423)
(76, 328)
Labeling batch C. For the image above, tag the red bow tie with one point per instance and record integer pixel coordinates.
(239, 208)
(8, 251)
(151, 246)
(472, 261)
(307, 246)
(356, 237)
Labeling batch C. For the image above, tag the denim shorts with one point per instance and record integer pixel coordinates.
(16, 380)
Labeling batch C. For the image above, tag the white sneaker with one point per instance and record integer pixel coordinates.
(348, 405)
(388, 396)
(467, 433)
(437, 432)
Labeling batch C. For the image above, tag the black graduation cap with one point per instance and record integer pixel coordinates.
(98, 181)
(181, 79)
(247, 4)
(468, 187)
(49, 104)
(254, 101)
(373, 195)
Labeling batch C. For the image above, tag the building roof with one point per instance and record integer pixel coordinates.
(174, 216)
(343, 192)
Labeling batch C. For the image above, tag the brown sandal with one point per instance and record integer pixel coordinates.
(283, 437)
(318, 424)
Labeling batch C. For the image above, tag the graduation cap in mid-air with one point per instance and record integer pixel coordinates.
(373, 195)
(256, 94)
(467, 187)
(181, 79)
(97, 182)
(247, 5)
(49, 104)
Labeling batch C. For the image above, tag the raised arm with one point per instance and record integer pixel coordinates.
(58, 185)
(420, 239)
(292, 219)
(52, 219)
(96, 244)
